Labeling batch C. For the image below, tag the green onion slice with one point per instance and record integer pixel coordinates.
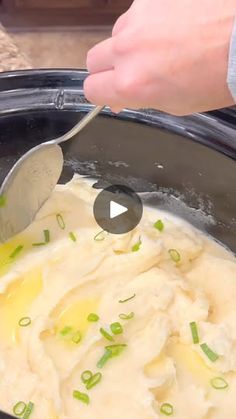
(127, 299)
(116, 350)
(116, 328)
(76, 338)
(93, 317)
(46, 236)
(16, 251)
(209, 352)
(167, 409)
(194, 330)
(107, 355)
(159, 225)
(175, 256)
(136, 246)
(24, 321)
(29, 410)
(39, 244)
(83, 397)
(219, 383)
(72, 236)
(3, 201)
(105, 334)
(100, 236)
(60, 221)
(94, 380)
(66, 330)
(129, 316)
(86, 376)
(19, 408)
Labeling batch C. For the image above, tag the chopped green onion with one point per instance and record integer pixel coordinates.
(175, 256)
(94, 380)
(159, 225)
(92, 317)
(81, 396)
(219, 383)
(19, 408)
(194, 330)
(60, 221)
(46, 236)
(86, 376)
(116, 328)
(39, 244)
(209, 352)
(127, 299)
(72, 236)
(105, 334)
(123, 316)
(100, 236)
(24, 321)
(116, 350)
(76, 338)
(3, 201)
(16, 252)
(29, 410)
(66, 330)
(107, 355)
(167, 409)
(136, 246)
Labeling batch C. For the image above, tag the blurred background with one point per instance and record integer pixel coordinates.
(54, 33)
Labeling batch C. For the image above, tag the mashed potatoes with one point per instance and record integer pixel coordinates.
(93, 325)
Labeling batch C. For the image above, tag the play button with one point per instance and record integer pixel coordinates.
(117, 209)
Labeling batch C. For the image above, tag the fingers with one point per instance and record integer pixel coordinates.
(99, 89)
(100, 57)
(120, 23)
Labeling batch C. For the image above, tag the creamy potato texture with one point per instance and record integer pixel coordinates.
(149, 316)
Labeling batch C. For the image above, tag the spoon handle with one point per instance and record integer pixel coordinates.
(80, 125)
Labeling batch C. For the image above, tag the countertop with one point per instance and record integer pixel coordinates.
(11, 58)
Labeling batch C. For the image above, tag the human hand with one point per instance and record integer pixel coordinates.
(171, 55)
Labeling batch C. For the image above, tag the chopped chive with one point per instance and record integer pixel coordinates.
(94, 380)
(116, 350)
(209, 352)
(72, 236)
(76, 338)
(86, 376)
(46, 236)
(175, 256)
(105, 334)
(39, 244)
(83, 397)
(3, 201)
(93, 317)
(194, 330)
(167, 409)
(19, 408)
(136, 246)
(100, 236)
(66, 330)
(127, 299)
(60, 221)
(29, 410)
(123, 316)
(107, 355)
(116, 328)
(24, 321)
(219, 383)
(16, 252)
(159, 225)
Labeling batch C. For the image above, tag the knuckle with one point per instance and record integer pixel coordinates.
(126, 86)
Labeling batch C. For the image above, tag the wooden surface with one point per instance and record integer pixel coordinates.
(52, 13)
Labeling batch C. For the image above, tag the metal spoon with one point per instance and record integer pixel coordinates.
(32, 179)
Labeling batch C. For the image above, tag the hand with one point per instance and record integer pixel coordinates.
(171, 55)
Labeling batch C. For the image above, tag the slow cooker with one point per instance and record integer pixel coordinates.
(184, 165)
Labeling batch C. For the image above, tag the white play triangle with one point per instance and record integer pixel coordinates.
(116, 209)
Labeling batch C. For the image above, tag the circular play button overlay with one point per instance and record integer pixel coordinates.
(117, 209)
